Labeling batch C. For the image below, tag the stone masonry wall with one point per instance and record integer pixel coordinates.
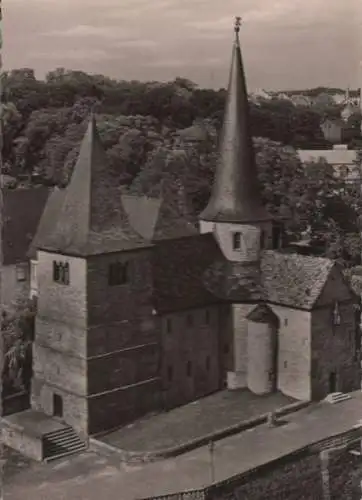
(290, 478)
(60, 336)
(123, 343)
(62, 303)
(190, 359)
(75, 408)
(237, 376)
(293, 352)
(59, 345)
(345, 474)
(95, 342)
(48, 365)
(322, 470)
(333, 346)
(110, 409)
(124, 368)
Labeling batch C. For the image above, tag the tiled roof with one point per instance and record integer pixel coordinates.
(47, 220)
(142, 213)
(294, 280)
(92, 219)
(21, 214)
(178, 269)
(160, 218)
(198, 271)
(195, 133)
(175, 217)
(233, 281)
(331, 156)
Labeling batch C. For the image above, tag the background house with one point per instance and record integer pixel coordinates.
(342, 159)
(21, 214)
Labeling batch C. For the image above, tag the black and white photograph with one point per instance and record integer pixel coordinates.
(181, 250)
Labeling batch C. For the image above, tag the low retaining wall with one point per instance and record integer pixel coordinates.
(185, 495)
(133, 457)
(14, 437)
(295, 476)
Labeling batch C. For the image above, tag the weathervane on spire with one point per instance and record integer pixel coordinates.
(237, 24)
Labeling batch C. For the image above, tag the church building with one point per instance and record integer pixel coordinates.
(140, 308)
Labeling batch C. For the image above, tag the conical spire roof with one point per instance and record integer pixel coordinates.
(92, 219)
(236, 195)
(175, 219)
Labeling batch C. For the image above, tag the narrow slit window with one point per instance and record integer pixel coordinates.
(168, 325)
(208, 363)
(237, 240)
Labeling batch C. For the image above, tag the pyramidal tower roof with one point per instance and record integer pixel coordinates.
(175, 218)
(236, 195)
(92, 219)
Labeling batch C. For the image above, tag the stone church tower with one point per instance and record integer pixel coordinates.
(95, 353)
(235, 212)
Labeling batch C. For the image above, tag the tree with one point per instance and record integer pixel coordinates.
(17, 328)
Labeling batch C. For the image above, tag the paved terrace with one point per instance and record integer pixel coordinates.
(91, 477)
(200, 418)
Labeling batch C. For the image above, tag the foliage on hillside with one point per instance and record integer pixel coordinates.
(151, 130)
(39, 113)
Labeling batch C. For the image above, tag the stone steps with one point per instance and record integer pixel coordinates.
(61, 443)
(336, 397)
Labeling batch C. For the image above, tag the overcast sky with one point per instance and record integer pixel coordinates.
(286, 43)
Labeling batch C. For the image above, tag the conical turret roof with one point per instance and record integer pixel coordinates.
(236, 194)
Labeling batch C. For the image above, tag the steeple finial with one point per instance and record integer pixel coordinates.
(237, 25)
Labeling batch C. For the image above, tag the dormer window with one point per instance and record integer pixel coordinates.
(61, 273)
(236, 241)
(336, 315)
(118, 273)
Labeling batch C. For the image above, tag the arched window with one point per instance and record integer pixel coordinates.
(61, 272)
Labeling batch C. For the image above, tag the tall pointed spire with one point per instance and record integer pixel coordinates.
(236, 195)
(92, 219)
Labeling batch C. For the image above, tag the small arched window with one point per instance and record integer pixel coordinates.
(61, 272)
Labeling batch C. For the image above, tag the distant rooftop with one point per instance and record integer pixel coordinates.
(339, 155)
